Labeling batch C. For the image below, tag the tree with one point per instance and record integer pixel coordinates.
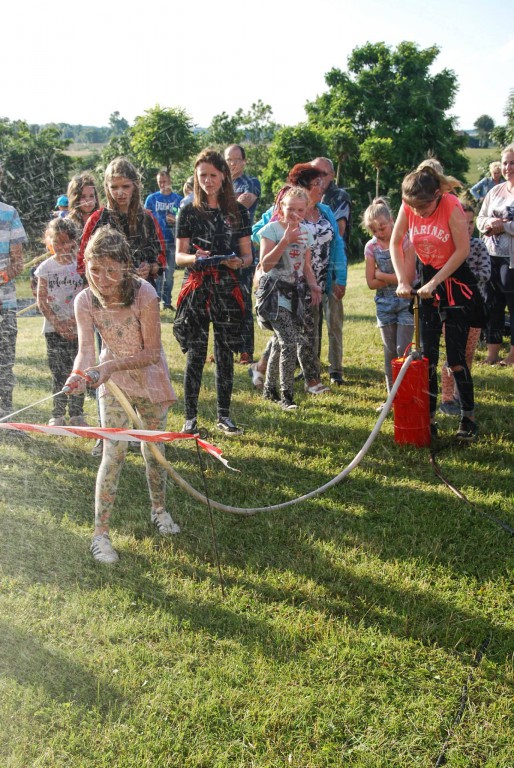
(504, 134)
(376, 152)
(291, 144)
(484, 125)
(225, 130)
(36, 170)
(162, 137)
(342, 143)
(118, 124)
(391, 94)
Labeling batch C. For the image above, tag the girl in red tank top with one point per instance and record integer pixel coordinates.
(437, 227)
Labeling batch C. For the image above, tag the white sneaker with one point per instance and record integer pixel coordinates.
(98, 449)
(316, 389)
(57, 421)
(102, 549)
(164, 522)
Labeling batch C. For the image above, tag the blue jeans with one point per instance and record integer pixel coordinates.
(164, 283)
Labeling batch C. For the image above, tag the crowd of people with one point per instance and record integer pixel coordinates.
(109, 268)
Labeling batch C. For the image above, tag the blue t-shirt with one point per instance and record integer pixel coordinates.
(160, 205)
(248, 184)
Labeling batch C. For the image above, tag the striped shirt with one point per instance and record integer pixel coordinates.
(11, 233)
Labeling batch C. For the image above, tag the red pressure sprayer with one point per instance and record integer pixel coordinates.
(411, 404)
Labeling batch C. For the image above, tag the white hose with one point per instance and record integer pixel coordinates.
(247, 511)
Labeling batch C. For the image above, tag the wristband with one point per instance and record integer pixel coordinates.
(4, 276)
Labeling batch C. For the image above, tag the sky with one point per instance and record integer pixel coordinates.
(78, 63)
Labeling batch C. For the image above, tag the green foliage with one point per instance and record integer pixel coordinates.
(253, 129)
(118, 146)
(224, 130)
(118, 124)
(484, 125)
(162, 137)
(378, 153)
(391, 94)
(291, 144)
(504, 134)
(36, 171)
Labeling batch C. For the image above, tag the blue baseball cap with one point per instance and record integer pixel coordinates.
(62, 201)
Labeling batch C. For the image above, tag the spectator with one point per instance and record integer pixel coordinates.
(496, 222)
(482, 187)
(12, 238)
(125, 213)
(213, 243)
(83, 199)
(164, 205)
(247, 190)
(61, 207)
(58, 282)
(338, 200)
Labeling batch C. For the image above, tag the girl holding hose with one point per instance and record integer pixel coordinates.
(125, 310)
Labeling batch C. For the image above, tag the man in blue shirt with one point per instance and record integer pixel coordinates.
(248, 191)
(164, 206)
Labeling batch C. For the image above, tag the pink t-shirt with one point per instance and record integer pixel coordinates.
(120, 329)
(431, 236)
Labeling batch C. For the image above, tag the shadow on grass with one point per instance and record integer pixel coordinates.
(388, 527)
(26, 659)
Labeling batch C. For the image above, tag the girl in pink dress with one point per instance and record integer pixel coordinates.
(125, 310)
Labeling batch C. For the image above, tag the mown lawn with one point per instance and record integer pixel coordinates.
(480, 157)
(348, 625)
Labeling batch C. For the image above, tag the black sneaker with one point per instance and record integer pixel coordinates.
(271, 393)
(468, 429)
(337, 379)
(287, 403)
(227, 426)
(434, 433)
(190, 427)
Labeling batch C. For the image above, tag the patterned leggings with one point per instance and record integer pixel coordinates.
(285, 347)
(154, 416)
(8, 333)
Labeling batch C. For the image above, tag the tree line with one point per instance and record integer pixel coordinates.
(376, 120)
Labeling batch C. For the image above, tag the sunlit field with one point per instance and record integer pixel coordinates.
(371, 626)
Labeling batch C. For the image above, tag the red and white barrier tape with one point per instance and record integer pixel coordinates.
(112, 433)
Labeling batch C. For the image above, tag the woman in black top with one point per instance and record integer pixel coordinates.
(213, 243)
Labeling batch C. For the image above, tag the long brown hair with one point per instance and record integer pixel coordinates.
(226, 197)
(120, 166)
(107, 242)
(75, 189)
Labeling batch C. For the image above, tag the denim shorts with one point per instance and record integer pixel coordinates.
(392, 310)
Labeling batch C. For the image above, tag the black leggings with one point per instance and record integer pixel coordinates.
(195, 362)
(500, 293)
(456, 335)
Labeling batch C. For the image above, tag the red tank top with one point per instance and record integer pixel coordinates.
(431, 236)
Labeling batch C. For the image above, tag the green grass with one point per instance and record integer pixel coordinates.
(479, 157)
(348, 626)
